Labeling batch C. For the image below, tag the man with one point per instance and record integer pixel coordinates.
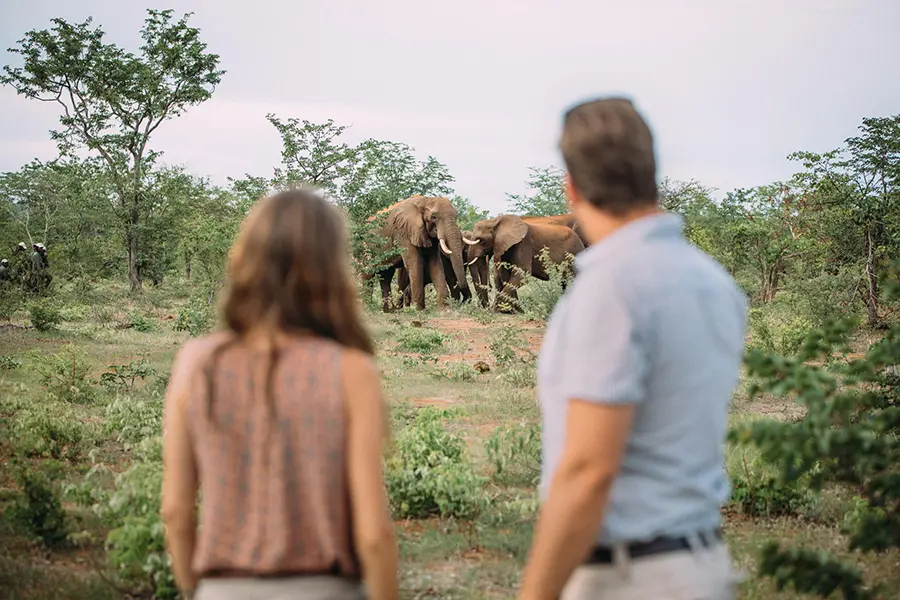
(5, 271)
(635, 377)
(20, 266)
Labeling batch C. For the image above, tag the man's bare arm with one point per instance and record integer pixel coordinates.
(596, 435)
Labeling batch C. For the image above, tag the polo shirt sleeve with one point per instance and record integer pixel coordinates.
(603, 353)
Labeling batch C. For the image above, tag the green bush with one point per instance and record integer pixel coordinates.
(847, 436)
(9, 363)
(420, 339)
(141, 323)
(44, 315)
(49, 432)
(124, 377)
(429, 474)
(196, 318)
(131, 419)
(136, 542)
(538, 298)
(514, 451)
(66, 376)
(38, 509)
(457, 371)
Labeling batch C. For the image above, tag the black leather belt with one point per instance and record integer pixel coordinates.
(601, 555)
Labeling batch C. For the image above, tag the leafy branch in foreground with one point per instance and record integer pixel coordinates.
(849, 437)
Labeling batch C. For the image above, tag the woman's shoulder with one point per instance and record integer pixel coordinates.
(196, 350)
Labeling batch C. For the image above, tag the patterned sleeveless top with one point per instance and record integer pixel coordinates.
(274, 492)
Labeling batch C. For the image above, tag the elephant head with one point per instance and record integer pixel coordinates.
(496, 236)
(421, 221)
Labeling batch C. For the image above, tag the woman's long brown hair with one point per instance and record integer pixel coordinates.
(289, 272)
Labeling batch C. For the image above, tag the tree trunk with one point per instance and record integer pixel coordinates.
(134, 272)
(873, 319)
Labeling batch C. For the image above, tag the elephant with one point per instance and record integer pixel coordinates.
(514, 240)
(567, 220)
(478, 270)
(425, 229)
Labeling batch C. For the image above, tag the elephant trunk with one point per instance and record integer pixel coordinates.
(450, 238)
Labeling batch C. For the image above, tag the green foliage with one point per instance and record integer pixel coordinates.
(538, 298)
(420, 339)
(44, 315)
(546, 196)
(429, 474)
(514, 359)
(123, 377)
(457, 371)
(771, 334)
(49, 432)
(755, 492)
(131, 509)
(196, 318)
(848, 436)
(514, 451)
(133, 419)
(9, 363)
(67, 376)
(112, 100)
(38, 508)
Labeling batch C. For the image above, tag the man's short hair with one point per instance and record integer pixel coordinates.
(608, 151)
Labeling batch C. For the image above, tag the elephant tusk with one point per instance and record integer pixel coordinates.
(444, 247)
(471, 262)
(470, 242)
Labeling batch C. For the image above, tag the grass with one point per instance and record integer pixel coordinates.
(441, 558)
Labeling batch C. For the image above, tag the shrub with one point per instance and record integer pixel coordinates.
(514, 451)
(420, 339)
(142, 323)
(66, 376)
(38, 509)
(428, 472)
(538, 298)
(135, 543)
(123, 377)
(9, 363)
(847, 436)
(132, 420)
(42, 431)
(196, 318)
(514, 360)
(44, 315)
(457, 371)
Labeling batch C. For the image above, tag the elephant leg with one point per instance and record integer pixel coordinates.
(510, 290)
(436, 272)
(413, 261)
(403, 287)
(385, 281)
(452, 282)
(481, 279)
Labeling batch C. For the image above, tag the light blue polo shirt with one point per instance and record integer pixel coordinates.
(649, 320)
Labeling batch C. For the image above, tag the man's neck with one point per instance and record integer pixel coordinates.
(597, 224)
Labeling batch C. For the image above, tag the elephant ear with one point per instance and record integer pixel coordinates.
(407, 222)
(508, 232)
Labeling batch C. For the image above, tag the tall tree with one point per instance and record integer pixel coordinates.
(312, 153)
(113, 100)
(546, 196)
(863, 177)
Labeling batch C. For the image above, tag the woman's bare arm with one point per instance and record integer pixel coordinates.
(179, 489)
(373, 527)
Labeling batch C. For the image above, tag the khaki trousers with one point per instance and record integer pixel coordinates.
(702, 573)
(288, 588)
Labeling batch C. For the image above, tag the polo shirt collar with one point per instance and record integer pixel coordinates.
(665, 224)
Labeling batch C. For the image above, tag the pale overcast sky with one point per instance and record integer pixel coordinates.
(730, 87)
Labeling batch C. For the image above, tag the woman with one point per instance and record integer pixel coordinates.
(279, 421)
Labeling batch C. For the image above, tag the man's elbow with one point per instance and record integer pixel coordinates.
(588, 480)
